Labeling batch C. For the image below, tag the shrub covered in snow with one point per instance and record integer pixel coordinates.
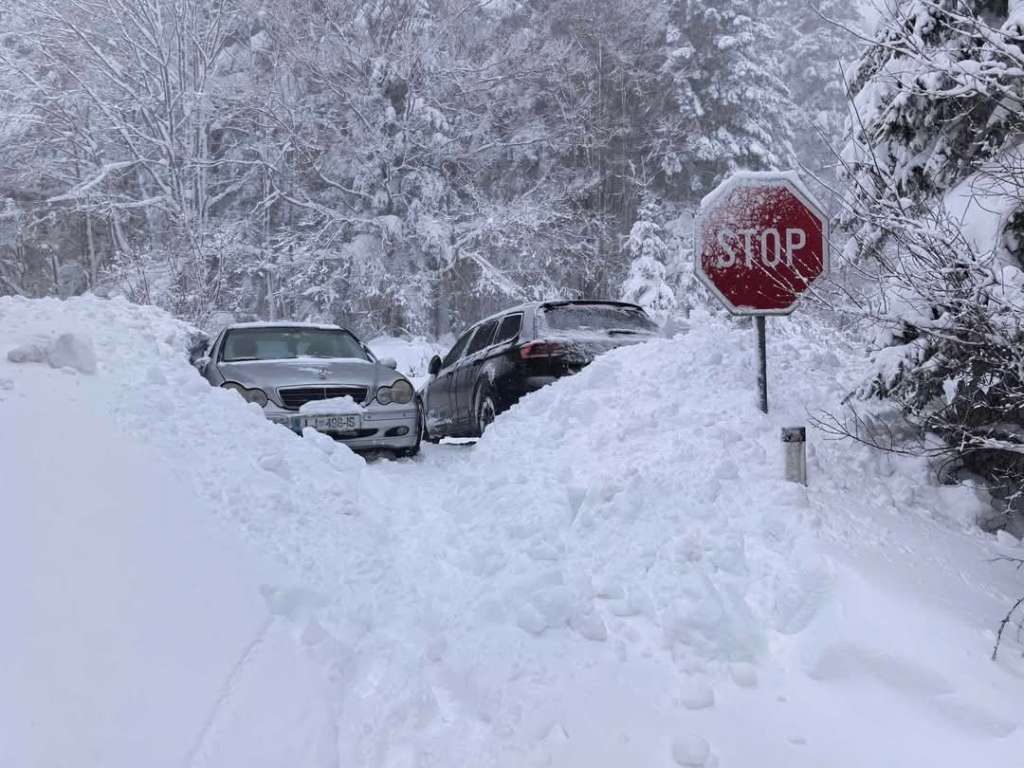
(936, 207)
(645, 285)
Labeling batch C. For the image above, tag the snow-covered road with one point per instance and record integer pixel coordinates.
(615, 575)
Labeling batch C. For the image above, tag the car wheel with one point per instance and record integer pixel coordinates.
(486, 412)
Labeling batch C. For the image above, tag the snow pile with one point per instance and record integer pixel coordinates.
(714, 557)
(138, 629)
(615, 575)
(69, 350)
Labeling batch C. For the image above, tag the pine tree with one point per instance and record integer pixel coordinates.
(816, 44)
(938, 93)
(730, 107)
(645, 284)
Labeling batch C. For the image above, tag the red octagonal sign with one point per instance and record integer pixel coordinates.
(761, 241)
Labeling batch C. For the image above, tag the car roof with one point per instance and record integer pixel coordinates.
(284, 324)
(555, 303)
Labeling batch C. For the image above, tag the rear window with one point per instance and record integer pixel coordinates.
(483, 337)
(596, 317)
(289, 343)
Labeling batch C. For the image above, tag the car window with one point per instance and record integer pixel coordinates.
(482, 337)
(597, 317)
(289, 343)
(456, 351)
(509, 328)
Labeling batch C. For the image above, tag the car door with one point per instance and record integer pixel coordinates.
(502, 357)
(440, 391)
(466, 373)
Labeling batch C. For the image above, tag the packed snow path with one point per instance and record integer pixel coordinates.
(615, 575)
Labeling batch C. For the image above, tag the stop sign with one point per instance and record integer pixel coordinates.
(761, 240)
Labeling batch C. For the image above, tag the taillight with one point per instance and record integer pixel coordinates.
(537, 349)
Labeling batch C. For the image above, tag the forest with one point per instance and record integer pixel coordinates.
(394, 165)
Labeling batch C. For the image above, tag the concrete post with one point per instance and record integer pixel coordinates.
(794, 445)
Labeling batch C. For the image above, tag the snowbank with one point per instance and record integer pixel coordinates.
(137, 629)
(615, 575)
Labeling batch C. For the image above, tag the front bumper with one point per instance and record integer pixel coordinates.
(381, 426)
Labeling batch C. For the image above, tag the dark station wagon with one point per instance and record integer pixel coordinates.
(518, 351)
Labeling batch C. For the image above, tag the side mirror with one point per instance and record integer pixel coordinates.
(201, 365)
(389, 362)
(435, 365)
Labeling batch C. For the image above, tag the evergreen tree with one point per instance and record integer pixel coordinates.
(936, 95)
(936, 196)
(645, 284)
(816, 45)
(730, 108)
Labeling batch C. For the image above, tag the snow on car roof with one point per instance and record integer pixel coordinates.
(557, 303)
(284, 324)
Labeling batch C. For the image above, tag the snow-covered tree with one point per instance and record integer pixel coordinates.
(729, 106)
(645, 284)
(937, 194)
(394, 164)
(816, 43)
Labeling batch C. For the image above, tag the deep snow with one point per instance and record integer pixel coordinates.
(615, 575)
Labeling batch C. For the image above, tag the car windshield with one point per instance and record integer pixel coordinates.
(597, 317)
(290, 343)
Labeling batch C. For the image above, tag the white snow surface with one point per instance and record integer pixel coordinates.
(68, 350)
(284, 324)
(981, 203)
(615, 575)
(332, 406)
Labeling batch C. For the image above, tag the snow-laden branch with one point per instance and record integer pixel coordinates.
(82, 189)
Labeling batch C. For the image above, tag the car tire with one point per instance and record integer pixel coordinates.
(484, 412)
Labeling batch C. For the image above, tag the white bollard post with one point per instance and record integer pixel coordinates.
(794, 445)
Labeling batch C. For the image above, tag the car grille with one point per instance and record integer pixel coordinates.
(296, 397)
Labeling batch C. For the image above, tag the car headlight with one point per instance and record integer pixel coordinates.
(401, 392)
(254, 395)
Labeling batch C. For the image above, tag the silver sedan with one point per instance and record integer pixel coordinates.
(319, 376)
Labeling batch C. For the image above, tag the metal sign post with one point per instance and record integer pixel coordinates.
(762, 364)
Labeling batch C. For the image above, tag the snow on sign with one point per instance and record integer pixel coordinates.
(761, 241)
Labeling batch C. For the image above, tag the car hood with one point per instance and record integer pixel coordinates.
(272, 374)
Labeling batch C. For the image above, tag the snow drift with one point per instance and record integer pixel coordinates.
(138, 630)
(615, 575)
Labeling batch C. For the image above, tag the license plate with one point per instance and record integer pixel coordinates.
(347, 423)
